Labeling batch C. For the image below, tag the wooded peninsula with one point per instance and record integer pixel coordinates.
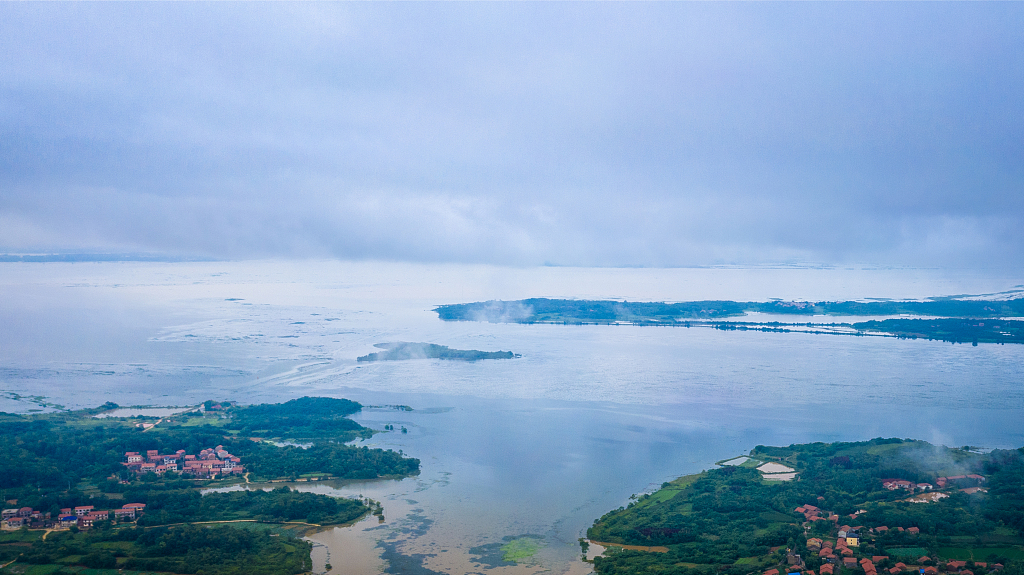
(125, 493)
(953, 320)
(892, 505)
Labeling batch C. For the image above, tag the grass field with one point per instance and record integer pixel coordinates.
(980, 553)
(666, 493)
(19, 535)
(907, 552)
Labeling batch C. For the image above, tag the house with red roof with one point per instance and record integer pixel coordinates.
(14, 522)
(124, 514)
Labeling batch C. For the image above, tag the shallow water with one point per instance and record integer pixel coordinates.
(536, 446)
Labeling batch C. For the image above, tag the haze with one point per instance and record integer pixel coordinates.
(571, 134)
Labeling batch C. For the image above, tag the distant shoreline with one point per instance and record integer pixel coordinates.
(951, 320)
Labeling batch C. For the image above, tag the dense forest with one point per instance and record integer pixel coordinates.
(65, 459)
(187, 549)
(306, 418)
(732, 519)
(401, 350)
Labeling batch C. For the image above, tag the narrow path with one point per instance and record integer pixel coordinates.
(158, 422)
(236, 521)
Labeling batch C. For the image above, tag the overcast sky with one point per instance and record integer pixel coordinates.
(660, 134)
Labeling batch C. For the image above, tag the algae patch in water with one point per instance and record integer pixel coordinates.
(510, 551)
(518, 549)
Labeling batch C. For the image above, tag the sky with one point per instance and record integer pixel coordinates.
(583, 134)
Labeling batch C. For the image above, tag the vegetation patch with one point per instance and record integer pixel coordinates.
(520, 548)
(953, 320)
(907, 552)
(728, 520)
(399, 351)
(55, 461)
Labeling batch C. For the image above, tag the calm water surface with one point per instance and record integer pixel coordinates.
(533, 447)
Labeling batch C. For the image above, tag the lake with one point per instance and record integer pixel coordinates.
(531, 449)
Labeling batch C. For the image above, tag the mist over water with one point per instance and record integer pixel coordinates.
(539, 445)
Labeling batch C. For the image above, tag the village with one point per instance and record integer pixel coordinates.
(82, 517)
(208, 464)
(843, 552)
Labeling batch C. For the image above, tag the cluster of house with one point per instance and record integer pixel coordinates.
(972, 478)
(207, 464)
(840, 554)
(894, 484)
(968, 483)
(26, 516)
(83, 517)
(812, 513)
(840, 550)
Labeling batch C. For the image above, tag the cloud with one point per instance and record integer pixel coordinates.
(585, 134)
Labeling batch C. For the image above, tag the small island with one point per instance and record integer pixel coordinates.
(879, 507)
(401, 350)
(954, 320)
(128, 492)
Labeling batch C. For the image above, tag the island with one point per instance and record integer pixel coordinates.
(945, 319)
(401, 350)
(132, 493)
(879, 507)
